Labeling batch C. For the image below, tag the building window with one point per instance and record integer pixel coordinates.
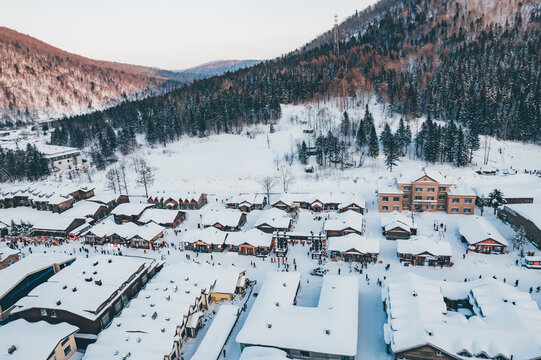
(430, 207)
(384, 208)
(418, 197)
(454, 210)
(456, 201)
(419, 189)
(441, 206)
(431, 189)
(468, 201)
(467, 211)
(385, 198)
(305, 354)
(396, 208)
(430, 197)
(406, 196)
(63, 342)
(408, 188)
(43, 312)
(441, 197)
(396, 198)
(53, 313)
(67, 350)
(442, 188)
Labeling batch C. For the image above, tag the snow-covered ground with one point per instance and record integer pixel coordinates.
(371, 316)
(227, 164)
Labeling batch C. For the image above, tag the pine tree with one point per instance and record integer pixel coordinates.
(473, 142)
(495, 199)
(361, 135)
(392, 155)
(386, 138)
(345, 126)
(302, 152)
(373, 144)
(461, 151)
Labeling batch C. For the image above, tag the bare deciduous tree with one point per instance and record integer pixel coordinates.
(286, 178)
(122, 171)
(111, 179)
(268, 183)
(145, 176)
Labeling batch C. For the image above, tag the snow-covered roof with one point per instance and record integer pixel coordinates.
(253, 237)
(175, 195)
(83, 208)
(262, 353)
(147, 327)
(159, 216)
(56, 222)
(251, 199)
(225, 217)
(396, 219)
(130, 209)
(347, 219)
(354, 242)
(32, 340)
(461, 189)
(275, 218)
(16, 272)
(22, 214)
(6, 251)
(410, 176)
(217, 334)
(423, 244)
(531, 212)
(505, 321)
(208, 235)
(127, 230)
(329, 328)
(103, 197)
(51, 151)
(86, 301)
(476, 229)
(227, 279)
(389, 188)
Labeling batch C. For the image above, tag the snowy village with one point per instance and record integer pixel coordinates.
(369, 189)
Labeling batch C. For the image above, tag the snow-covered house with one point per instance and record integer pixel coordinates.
(273, 220)
(127, 234)
(397, 226)
(251, 242)
(481, 236)
(24, 275)
(328, 331)
(527, 216)
(162, 316)
(88, 293)
(87, 209)
(347, 222)
(424, 251)
(206, 240)
(8, 256)
(129, 212)
(218, 333)
(481, 319)
(226, 220)
(109, 199)
(58, 225)
(23, 340)
(262, 353)
(247, 202)
(164, 217)
(176, 201)
(353, 247)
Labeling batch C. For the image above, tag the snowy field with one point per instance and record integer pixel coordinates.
(226, 164)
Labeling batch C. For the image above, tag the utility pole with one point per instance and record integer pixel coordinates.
(335, 32)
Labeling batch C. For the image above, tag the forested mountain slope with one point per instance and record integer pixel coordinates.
(36, 78)
(473, 62)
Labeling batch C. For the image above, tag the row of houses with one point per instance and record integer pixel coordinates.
(44, 197)
(178, 201)
(329, 202)
(167, 312)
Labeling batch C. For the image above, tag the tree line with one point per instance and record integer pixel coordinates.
(22, 164)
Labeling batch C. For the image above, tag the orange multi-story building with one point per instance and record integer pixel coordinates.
(426, 191)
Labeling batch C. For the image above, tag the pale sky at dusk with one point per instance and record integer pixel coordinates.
(175, 34)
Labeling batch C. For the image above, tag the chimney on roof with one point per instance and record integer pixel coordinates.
(328, 331)
(12, 349)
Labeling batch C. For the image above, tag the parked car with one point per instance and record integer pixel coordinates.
(319, 271)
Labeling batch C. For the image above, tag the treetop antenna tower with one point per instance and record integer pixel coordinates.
(335, 33)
